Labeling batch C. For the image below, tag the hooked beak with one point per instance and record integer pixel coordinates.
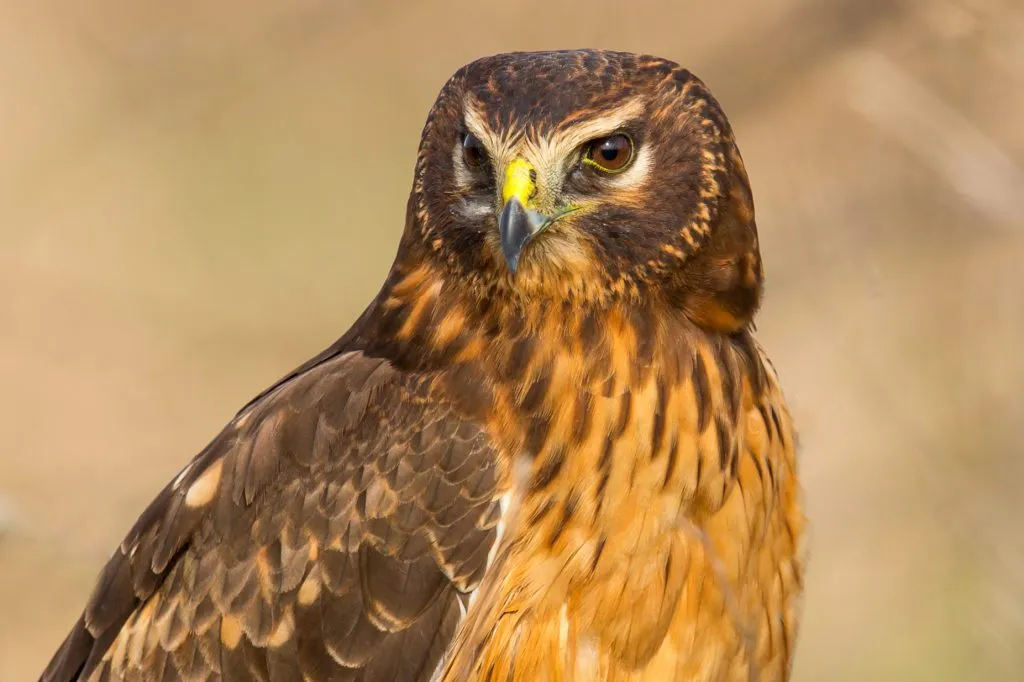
(518, 224)
(517, 227)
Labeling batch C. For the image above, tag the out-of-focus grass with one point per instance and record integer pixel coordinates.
(193, 200)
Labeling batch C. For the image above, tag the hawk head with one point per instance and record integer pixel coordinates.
(587, 176)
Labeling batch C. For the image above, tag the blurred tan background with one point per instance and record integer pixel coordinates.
(195, 197)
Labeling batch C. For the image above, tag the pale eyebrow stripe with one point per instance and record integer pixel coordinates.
(603, 125)
(475, 125)
(563, 142)
(474, 121)
(499, 145)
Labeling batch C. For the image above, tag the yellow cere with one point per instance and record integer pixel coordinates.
(518, 182)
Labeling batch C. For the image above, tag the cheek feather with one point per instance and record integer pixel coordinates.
(474, 210)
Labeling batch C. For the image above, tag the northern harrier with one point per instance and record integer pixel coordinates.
(549, 449)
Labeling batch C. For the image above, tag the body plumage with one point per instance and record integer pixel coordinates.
(551, 448)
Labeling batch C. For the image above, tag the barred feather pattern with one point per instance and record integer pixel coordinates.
(333, 531)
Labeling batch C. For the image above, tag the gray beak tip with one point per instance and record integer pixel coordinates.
(515, 228)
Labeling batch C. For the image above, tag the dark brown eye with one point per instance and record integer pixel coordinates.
(473, 152)
(611, 154)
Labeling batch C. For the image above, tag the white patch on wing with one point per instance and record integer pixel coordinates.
(201, 492)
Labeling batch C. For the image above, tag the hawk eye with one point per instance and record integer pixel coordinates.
(611, 154)
(473, 152)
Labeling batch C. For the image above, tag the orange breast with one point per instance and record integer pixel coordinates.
(654, 528)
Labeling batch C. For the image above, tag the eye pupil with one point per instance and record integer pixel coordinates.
(612, 153)
(473, 152)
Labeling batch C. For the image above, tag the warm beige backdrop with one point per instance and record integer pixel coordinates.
(196, 196)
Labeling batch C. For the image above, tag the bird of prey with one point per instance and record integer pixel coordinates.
(550, 449)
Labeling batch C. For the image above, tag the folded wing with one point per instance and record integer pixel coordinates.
(333, 530)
